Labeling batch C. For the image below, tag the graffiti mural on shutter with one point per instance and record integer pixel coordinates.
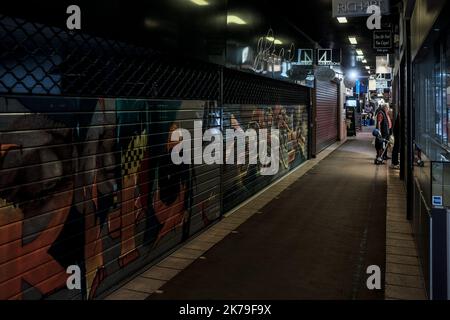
(90, 182)
(240, 182)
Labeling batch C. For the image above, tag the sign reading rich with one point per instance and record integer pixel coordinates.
(358, 8)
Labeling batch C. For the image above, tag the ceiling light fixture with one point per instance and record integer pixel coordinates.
(352, 40)
(367, 67)
(200, 2)
(359, 52)
(364, 61)
(235, 19)
(353, 75)
(275, 41)
(342, 19)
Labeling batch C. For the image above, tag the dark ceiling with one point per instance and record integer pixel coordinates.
(187, 28)
(315, 19)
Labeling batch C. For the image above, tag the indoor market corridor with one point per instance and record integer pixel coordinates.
(314, 241)
(217, 158)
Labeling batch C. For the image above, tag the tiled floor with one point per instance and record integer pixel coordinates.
(403, 278)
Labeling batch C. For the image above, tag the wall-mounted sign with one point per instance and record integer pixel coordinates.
(382, 41)
(437, 201)
(358, 8)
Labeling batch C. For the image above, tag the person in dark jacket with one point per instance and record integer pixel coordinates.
(396, 148)
(384, 124)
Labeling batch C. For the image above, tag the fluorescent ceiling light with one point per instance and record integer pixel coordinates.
(367, 67)
(235, 19)
(275, 41)
(200, 2)
(352, 40)
(359, 52)
(364, 61)
(342, 19)
(150, 23)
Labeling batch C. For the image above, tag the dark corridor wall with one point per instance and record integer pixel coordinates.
(90, 182)
(243, 181)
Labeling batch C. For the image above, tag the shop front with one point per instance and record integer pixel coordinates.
(430, 51)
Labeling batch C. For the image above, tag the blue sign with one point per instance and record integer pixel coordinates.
(357, 87)
(437, 201)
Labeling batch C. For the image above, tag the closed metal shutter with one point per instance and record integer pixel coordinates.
(326, 114)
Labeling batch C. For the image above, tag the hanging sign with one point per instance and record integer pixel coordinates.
(323, 57)
(358, 8)
(305, 57)
(382, 41)
(328, 57)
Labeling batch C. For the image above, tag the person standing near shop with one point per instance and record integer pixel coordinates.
(396, 149)
(384, 124)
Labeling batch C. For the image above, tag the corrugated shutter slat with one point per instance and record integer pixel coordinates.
(326, 114)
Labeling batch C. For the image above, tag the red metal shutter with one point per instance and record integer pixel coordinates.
(326, 114)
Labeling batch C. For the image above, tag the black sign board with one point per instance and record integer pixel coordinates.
(351, 121)
(382, 41)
